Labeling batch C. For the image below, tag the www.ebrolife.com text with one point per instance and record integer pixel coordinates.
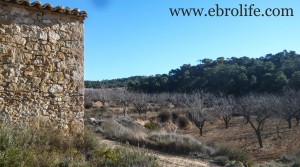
(243, 10)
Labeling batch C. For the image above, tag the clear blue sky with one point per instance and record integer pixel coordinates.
(139, 37)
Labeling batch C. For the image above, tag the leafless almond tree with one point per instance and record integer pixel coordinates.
(124, 99)
(257, 110)
(289, 106)
(225, 107)
(140, 102)
(103, 95)
(179, 100)
(197, 113)
(162, 100)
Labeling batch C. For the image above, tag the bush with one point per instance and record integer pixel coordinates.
(178, 144)
(183, 122)
(167, 142)
(296, 160)
(222, 160)
(152, 126)
(88, 104)
(235, 154)
(124, 157)
(117, 131)
(165, 116)
(296, 164)
(293, 160)
(175, 115)
(47, 147)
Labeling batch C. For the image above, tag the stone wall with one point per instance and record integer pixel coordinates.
(41, 67)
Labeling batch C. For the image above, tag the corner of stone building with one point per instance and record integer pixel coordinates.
(41, 68)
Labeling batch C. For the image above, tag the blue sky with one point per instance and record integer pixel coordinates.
(139, 37)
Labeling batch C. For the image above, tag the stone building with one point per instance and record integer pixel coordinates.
(41, 64)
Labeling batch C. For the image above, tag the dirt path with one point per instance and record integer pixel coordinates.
(176, 161)
(167, 160)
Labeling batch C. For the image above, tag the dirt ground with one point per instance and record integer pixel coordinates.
(167, 160)
(238, 135)
(241, 135)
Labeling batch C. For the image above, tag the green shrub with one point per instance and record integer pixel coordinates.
(165, 116)
(124, 157)
(152, 126)
(183, 122)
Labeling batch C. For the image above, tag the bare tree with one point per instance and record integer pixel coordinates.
(179, 100)
(124, 99)
(257, 110)
(289, 106)
(103, 95)
(197, 113)
(140, 102)
(225, 107)
(162, 100)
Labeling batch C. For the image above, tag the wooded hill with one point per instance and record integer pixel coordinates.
(271, 73)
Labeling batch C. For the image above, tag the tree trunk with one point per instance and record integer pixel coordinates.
(226, 121)
(290, 123)
(258, 134)
(247, 119)
(201, 131)
(226, 124)
(124, 110)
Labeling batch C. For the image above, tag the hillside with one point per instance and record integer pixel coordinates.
(271, 73)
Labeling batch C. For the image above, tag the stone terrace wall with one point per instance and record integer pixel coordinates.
(41, 67)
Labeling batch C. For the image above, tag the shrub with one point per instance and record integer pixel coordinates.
(296, 164)
(178, 144)
(293, 160)
(296, 160)
(124, 157)
(167, 142)
(175, 115)
(115, 130)
(152, 126)
(47, 147)
(183, 122)
(286, 159)
(88, 104)
(165, 116)
(235, 154)
(222, 160)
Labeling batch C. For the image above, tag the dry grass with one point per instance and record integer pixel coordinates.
(24, 146)
(238, 135)
(163, 141)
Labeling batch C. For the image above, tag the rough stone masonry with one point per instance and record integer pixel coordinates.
(41, 65)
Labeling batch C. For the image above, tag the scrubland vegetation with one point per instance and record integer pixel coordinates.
(45, 147)
(250, 125)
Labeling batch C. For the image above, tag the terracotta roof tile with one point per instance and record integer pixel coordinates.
(58, 9)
